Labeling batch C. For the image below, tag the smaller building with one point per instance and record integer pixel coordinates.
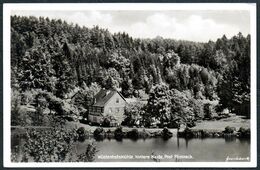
(107, 104)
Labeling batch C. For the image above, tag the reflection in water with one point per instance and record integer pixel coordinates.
(186, 142)
(178, 142)
(134, 140)
(208, 149)
(229, 139)
(244, 141)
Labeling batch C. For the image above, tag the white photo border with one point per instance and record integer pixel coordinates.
(7, 8)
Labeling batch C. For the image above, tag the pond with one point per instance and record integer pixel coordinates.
(171, 150)
(174, 149)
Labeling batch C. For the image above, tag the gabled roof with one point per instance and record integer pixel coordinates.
(103, 96)
(75, 94)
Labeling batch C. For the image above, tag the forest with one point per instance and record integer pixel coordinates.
(184, 80)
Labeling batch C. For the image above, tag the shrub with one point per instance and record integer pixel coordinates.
(84, 121)
(119, 134)
(205, 133)
(191, 124)
(82, 134)
(244, 133)
(208, 111)
(22, 115)
(187, 130)
(109, 134)
(133, 134)
(229, 129)
(166, 134)
(242, 130)
(144, 134)
(89, 155)
(173, 124)
(106, 122)
(187, 133)
(198, 108)
(133, 113)
(128, 122)
(99, 133)
(53, 145)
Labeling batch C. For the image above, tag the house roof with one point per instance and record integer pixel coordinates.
(75, 94)
(131, 100)
(103, 96)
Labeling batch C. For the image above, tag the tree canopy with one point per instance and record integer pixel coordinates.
(55, 56)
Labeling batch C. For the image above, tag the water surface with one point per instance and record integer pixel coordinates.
(157, 149)
(174, 149)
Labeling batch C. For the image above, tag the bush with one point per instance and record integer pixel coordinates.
(244, 133)
(187, 133)
(119, 134)
(133, 114)
(99, 133)
(22, 115)
(166, 134)
(109, 134)
(84, 121)
(198, 108)
(128, 122)
(106, 122)
(205, 133)
(53, 145)
(208, 111)
(187, 130)
(89, 155)
(144, 134)
(242, 130)
(173, 124)
(229, 129)
(133, 134)
(191, 124)
(82, 134)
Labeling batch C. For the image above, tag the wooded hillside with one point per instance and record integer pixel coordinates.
(55, 56)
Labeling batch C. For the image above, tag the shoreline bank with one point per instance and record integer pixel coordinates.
(100, 133)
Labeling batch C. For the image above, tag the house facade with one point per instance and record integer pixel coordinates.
(107, 103)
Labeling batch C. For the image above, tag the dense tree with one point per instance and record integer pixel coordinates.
(234, 87)
(127, 88)
(35, 70)
(181, 108)
(159, 103)
(55, 56)
(134, 113)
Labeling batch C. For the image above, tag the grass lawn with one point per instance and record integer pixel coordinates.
(233, 121)
(219, 125)
(70, 125)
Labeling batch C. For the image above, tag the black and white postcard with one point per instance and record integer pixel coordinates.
(129, 85)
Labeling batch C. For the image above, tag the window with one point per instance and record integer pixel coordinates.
(117, 100)
(110, 110)
(117, 110)
(94, 119)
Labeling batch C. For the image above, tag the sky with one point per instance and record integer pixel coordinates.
(192, 25)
